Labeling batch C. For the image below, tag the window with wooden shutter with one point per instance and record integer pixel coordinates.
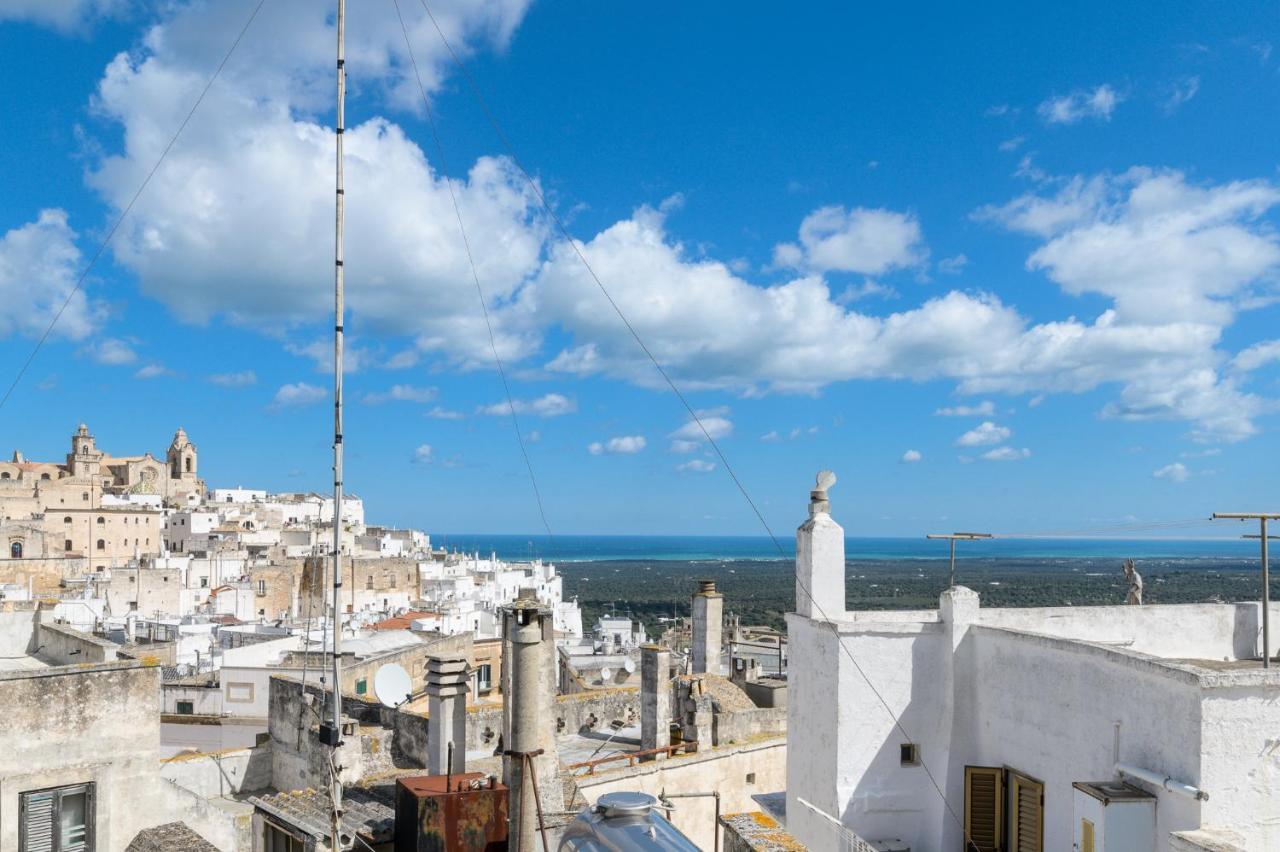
(1026, 819)
(1086, 836)
(59, 820)
(983, 808)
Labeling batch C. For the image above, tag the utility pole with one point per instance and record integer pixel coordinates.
(1261, 518)
(953, 538)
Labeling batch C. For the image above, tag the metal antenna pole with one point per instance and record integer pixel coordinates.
(335, 736)
(1261, 518)
(953, 538)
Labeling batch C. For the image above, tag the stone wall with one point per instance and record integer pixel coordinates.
(67, 646)
(742, 726)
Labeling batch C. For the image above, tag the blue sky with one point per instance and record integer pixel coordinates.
(1015, 272)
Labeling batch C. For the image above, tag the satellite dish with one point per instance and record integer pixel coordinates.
(630, 665)
(606, 673)
(392, 685)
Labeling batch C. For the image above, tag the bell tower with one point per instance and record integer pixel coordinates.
(181, 457)
(84, 458)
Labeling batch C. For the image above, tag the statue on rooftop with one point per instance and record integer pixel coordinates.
(1135, 583)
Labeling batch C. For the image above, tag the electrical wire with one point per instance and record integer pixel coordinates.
(111, 232)
(475, 275)
(800, 585)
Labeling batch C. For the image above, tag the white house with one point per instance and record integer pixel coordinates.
(1025, 729)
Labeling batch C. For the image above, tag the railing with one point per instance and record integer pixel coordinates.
(632, 756)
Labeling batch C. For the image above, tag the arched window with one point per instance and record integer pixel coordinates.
(102, 545)
(101, 520)
(5, 475)
(188, 464)
(67, 519)
(45, 476)
(15, 550)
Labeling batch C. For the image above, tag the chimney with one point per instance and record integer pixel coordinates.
(708, 619)
(655, 697)
(447, 715)
(820, 557)
(528, 657)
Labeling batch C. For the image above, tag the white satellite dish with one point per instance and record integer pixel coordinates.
(606, 673)
(630, 665)
(392, 686)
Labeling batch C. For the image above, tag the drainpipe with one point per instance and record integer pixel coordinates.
(1164, 781)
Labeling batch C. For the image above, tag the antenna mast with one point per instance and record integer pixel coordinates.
(335, 735)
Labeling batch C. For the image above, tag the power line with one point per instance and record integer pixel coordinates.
(681, 397)
(475, 276)
(102, 246)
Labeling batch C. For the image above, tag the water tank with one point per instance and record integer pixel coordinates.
(621, 822)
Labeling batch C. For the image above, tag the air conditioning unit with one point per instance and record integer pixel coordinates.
(1112, 816)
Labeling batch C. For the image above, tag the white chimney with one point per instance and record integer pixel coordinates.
(820, 557)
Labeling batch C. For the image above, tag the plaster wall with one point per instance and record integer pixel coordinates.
(1240, 760)
(221, 773)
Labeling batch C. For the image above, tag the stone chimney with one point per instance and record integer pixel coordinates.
(708, 621)
(528, 665)
(820, 557)
(447, 679)
(655, 697)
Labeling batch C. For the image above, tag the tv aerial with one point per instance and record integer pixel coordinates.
(392, 685)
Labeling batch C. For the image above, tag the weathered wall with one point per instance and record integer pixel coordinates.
(1240, 757)
(66, 646)
(205, 700)
(742, 726)
(222, 773)
(17, 628)
(736, 772)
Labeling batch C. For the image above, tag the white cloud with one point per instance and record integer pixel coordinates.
(549, 405)
(1006, 454)
(400, 393)
(1257, 355)
(241, 379)
(194, 239)
(983, 435)
(1012, 144)
(66, 16)
(533, 437)
(354, 358)
(296, 395)
(696, 466)
(771, 437)
(912, 457)
(867, 241)
(111, 351)
(153, 371)
(1183, 91)
(690, 436)
(953, 265)
(440, 413)
(423, 454)
(1176, 472)
(1098, 103)
(986, 408)
(38, 270)
(622, 445)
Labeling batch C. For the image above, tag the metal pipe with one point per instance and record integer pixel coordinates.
(665, 796)
(1161, 780)
(338, 315)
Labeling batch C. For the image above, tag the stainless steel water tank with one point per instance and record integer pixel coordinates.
(621, 822)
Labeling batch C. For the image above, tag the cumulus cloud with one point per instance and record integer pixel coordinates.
(400, 393)
(867, 241)
(696, 466)
(297, 395)
(255, 161)
(423, 454)
(38, 270)
(1176, 472)
(912, 456)
(691, 436)
(986, 408)
(65, 16)
(622, 445)
(983, 435)
(549, 405)
(1256, 356)
(1006, 454)
(241, 379)
(111, 351)
(1098, 103)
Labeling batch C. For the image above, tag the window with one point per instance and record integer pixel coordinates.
(276, 839)
(368, 582)
(204, 582)
(84, 495)
(262, 587)
(67, 519)
(4, 475)
(188, 464)
(102, 544)
(101, 520)
(362, 686)
(186, 708)
(58, 820)
(909, 754)
(66, 545)
(45, 477)
(1086, 836)
(484, 677)
(984, 808)
(15, 550)
(1026, 819)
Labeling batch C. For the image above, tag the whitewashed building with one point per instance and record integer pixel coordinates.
(1002, 726)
